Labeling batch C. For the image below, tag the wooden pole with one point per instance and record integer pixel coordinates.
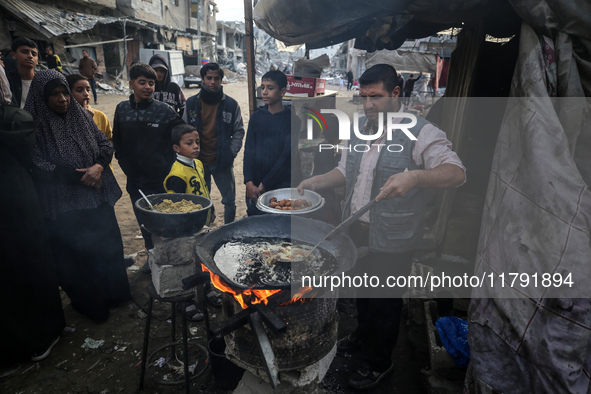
(250, 54)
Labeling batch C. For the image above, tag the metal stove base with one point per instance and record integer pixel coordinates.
(303, 380)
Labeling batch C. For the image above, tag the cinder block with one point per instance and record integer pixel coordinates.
(175, 251)
(168, 279)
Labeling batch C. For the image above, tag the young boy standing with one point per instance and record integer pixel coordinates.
(270, 144)
(186, 174)
(26, 55)
(141, 136)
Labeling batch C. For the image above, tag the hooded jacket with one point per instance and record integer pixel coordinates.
(168, 91)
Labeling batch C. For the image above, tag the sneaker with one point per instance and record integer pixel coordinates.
(365, 378)
(214, 298)
(349, 344)
(193, 313)
(41, 356)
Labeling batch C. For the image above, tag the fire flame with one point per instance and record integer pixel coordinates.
(255, 296)
(299, 296)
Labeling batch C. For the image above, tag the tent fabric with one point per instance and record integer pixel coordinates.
(376, 24)
(404, 60)
(537, 219)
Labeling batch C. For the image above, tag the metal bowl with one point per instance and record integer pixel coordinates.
(290, 193)
(172, 225)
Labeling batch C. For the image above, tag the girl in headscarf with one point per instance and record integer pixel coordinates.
(78, 191)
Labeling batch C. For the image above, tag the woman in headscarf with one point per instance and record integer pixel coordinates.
(32, 316)
(78, 191)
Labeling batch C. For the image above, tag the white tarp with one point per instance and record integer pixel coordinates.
(404, 60)
(537, 219)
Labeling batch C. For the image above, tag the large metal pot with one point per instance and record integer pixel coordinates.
(296, 228)
(172, 225)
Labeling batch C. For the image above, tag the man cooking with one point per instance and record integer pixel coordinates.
(399, 180)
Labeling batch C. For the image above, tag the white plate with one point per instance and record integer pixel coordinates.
(292, 194)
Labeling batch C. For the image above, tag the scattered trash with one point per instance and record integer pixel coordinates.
(160, 362)
(37, 364)
(193, 330)
(453, 332)
(90, 343)
(141, 314)
(93, 365)
(69, 329)
(120, 349)
(61, 363)
(104, 86)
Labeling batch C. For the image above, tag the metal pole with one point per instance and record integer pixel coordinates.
(199, 52)
(250, 62)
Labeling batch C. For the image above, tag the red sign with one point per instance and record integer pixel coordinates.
(311, 86)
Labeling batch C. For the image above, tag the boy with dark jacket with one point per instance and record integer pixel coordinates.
(218, 121)
(270, 144)
(26, 56)
(166, 90)
(141, 136)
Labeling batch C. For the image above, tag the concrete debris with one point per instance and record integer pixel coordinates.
(90, 343)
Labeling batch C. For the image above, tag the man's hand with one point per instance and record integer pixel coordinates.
(333, 178)
(92, 176)
(398, 185)
(252, 191)
(308, 184)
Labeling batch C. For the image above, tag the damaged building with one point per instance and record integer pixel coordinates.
(113, 31)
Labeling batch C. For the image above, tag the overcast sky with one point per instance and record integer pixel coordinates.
(230, 10)
(233, 10)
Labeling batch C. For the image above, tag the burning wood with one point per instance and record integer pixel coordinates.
(249, 297)
(244, 297)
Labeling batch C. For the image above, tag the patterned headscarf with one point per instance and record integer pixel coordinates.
(71, 140)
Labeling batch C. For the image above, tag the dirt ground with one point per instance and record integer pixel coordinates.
(114, 365)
